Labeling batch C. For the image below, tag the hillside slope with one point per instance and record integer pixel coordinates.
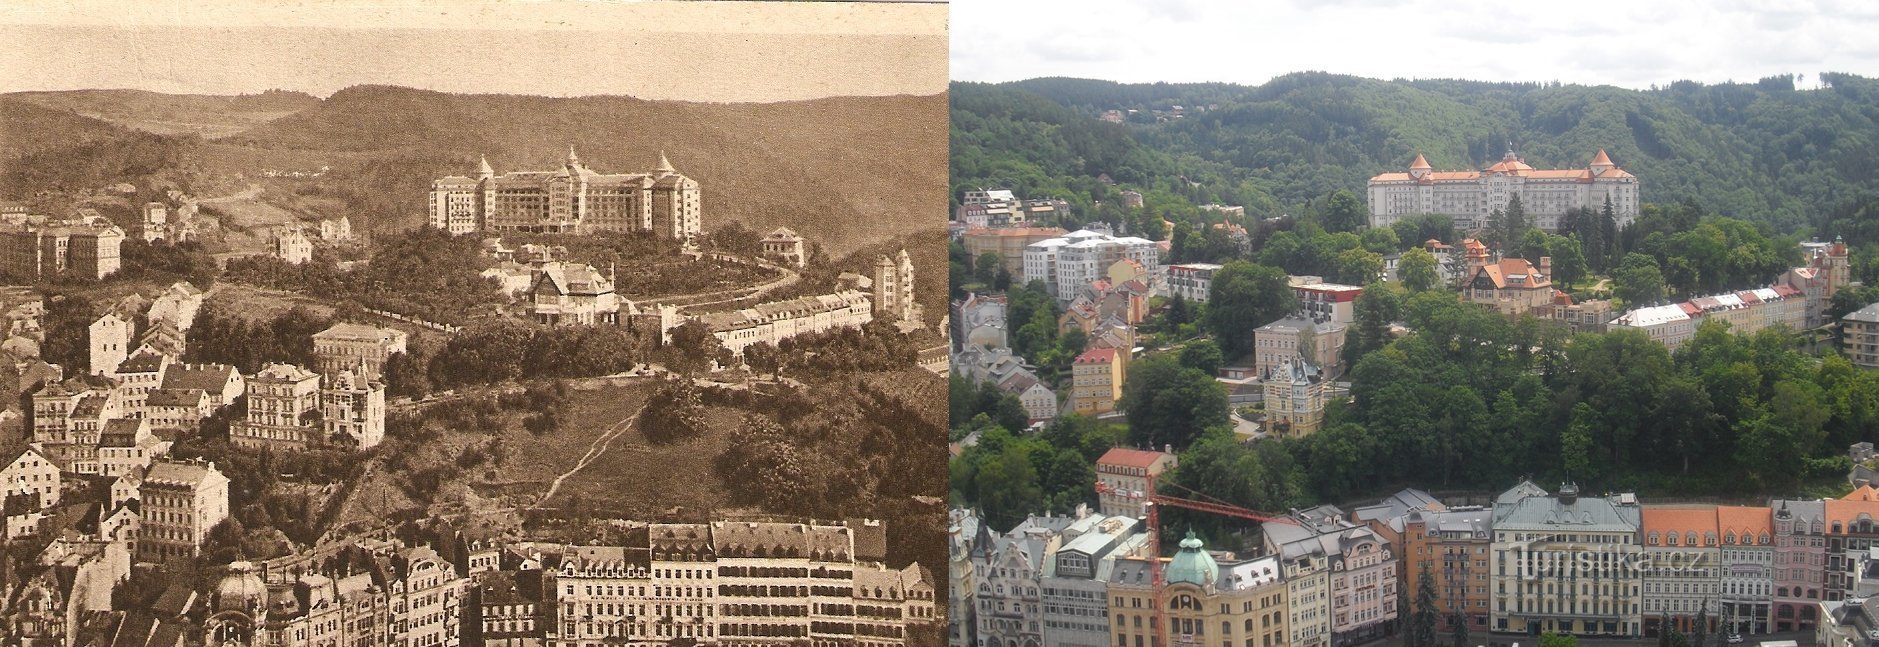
(843, 170)
(1765, 151)
(174, 114)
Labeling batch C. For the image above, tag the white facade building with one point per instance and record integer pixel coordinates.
(1468, 197)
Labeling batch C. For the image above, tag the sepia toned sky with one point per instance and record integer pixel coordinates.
(696, 51)
(1627, 44)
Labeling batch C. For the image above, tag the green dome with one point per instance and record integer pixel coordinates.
(1192, 565)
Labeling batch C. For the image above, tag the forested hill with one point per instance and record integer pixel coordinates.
(1786, 151)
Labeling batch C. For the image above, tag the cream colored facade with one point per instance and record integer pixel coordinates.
(1861, 331)
(1468, 197)
(771, 323)
(180, 502)
(1294, 399)
(572, 200)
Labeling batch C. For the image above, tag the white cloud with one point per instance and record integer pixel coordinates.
(1633, 45)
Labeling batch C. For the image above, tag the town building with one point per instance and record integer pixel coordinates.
(1075, 577)
(1191, 281)
(357, 348)
(573, 294)
(1451, 546)
(385, 594)
(1294, 399)
(1828, 270)
(1008, 243)
(1131, 199)
(1512, 286)
(38, 249)
(1122, 477)
(968, 541)
(177, 306)
(1040, 403)
(893, 289)
(1362, 578)
(1682, 560)
(30, 473)
(179, 502)
(283, 400)
(573, 199)
(1009, 574)
(1067, 263)
(514, 606)
(1582, 581)
(1547, 196)
(1860, 336)
(773, 322)
(786, 247)
(1800, 568)
(1321, 343)
(352, 408)
(1851, 532)
(1849, 623)
(1329, 302)
(1096, 380)
(980, 320)
(1669, 325)
(1748, 557)
(292, 246)
(110, 338)
(155, 221)
(336, 230)
(1209, 600)
(220, 382)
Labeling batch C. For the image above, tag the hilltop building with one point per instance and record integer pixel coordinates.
(1294, 398)
(773, 322)
(786, 246)
(1860, 329)
(283, 400)
(1008, 242)
(573, 199)
(292, 246)
(570, 294)
(1068, 263)
(34, 248)
(893, 289)
(1468, 197)
(357, 348)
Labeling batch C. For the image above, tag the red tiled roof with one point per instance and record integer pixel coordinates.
(1096, 355)
(1130, 458)
(1680, 519)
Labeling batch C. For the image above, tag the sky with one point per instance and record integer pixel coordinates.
(1626, 44)
(717, 51)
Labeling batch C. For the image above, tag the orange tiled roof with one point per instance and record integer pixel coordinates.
(1848, 510)
(1700, 519)
(1601, 158)
(1507, 267)
(1097, 355)
(1864, 493)
(1744, 520)
(1420, 162)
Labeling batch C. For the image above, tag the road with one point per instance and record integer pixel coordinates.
(1802, 639)
(253, 191)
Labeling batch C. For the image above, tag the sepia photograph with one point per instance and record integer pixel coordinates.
(488, 323)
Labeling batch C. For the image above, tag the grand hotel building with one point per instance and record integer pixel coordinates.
(1546, 195)
(574, 199)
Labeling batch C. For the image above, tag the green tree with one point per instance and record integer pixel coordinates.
(1550, 639)
(1458, 630)
(1422, 624)
(1577, 451)
(1513, 224)
(1344, 213)
(693, 348)
(1533, 245)
(1245, 296)
(1417, 268)
(762, 357)
(1638, 282)
(1357, 266)
(985, 268)
(1170, 404)
(1202, 354)
(1569, 265)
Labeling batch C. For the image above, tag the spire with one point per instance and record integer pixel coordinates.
(573, 160)
(1601, 159)
(665, 166)
(1510, 156)
(1420, 163)
(483, 169)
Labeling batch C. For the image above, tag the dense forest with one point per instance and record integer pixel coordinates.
(1796, 153)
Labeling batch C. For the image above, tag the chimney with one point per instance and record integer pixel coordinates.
(1546, 267)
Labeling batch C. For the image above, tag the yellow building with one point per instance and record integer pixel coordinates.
(1206, 601)
(1007, 242)
(1096, 380)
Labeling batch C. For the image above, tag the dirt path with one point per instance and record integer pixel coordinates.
(789, 278)
(253, 191)
(594, 451)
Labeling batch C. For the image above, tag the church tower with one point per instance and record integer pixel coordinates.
(1838, 270)
(886, 289)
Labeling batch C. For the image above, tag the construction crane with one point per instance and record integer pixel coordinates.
(1152, 503)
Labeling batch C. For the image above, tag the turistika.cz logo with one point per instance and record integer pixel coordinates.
(1534, 560)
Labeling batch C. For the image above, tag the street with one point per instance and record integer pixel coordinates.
(1802, 639)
